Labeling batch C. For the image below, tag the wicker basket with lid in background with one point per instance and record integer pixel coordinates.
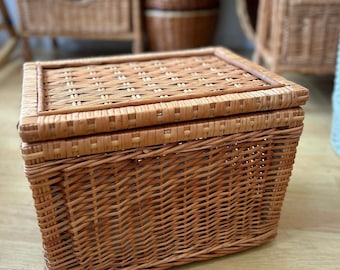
(81, 19)
(298, 35)
(156, 160)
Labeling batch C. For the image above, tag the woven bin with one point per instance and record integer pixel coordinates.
(156, 160)
(180, 4)
(176, 30)
(298, 35)
(86, 19)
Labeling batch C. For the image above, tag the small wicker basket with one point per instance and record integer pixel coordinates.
(175, 25)
(181, 4)
(156, 160)
(175, 30)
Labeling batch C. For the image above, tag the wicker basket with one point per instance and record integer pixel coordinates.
(298, 35)
(175, 30)
(89, 19)
(156, 160)
(181, 4)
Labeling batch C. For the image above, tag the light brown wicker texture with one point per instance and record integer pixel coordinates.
(298, 35)
(180, 4)
(156, 207)
(161, 182)
(87, 96)
(86, 19)
(177, 30)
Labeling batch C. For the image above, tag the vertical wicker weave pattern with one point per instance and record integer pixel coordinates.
(298, 35)
(177, 177)
(177, 30)
(75, 17)
(88, 19)
(180, 24)
(161, 206)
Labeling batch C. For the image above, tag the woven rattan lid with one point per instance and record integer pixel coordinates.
(72, 98)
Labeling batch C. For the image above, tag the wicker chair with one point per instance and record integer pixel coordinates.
(85, 19)
(247, 14)
(295, 35)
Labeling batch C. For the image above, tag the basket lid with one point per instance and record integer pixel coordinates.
(70, 98)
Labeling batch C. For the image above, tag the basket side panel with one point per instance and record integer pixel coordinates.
(310, 36)
(298, 35)
(165, 205)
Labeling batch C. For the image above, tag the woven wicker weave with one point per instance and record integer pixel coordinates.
(298, 35)
(176, 30)
(89, 19)
(156, 160)
(180, 4)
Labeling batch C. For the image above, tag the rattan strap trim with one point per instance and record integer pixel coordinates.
(58, 149)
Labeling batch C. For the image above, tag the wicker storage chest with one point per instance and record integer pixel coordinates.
(86, 19)
(156, 160)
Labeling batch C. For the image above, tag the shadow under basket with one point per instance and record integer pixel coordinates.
(157, 160)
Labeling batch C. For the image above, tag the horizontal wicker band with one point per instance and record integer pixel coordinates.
(180, 4)
(180, 14)
(40, 152)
